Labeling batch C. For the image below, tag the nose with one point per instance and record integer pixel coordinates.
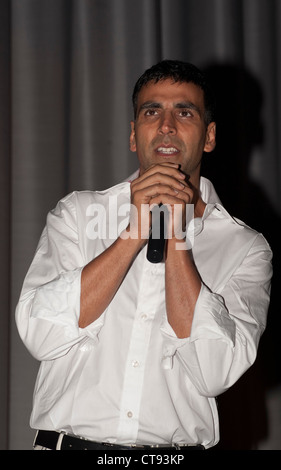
(167, 124)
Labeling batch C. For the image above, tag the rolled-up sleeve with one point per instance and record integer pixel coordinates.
(227, 326)
(48, 310)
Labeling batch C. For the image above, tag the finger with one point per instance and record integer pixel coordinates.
(167, 199)
(187, 194)
(144, 195)
(171, 169)
(157, 180)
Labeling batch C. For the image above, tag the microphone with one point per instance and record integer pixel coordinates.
(157, 241)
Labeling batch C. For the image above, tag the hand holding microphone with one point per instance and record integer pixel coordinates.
(160, 186)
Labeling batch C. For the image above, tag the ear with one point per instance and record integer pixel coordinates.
(133, 145)
(210, 141)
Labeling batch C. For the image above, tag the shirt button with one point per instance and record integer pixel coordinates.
(135, 364)
(130, 414)
(143, 317)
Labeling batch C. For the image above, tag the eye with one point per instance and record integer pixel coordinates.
(184, 113)
(151, 112)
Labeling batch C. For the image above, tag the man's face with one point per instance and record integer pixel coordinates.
(170, 127)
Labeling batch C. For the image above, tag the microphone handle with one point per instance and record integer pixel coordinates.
(156, 246)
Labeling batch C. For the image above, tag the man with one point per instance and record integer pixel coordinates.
(134, 353)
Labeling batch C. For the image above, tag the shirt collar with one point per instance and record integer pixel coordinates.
(214, 204)
(208, 192)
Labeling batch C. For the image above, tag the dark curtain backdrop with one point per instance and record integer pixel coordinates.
(67, 69)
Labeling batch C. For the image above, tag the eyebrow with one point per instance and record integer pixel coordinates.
(188, 105)
(181, 105)
(149, 104)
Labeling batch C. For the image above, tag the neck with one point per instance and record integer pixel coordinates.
(199, 207)
(199, 204)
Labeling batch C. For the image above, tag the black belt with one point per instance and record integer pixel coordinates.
(50, 440)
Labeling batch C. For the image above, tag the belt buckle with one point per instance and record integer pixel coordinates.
(176, 446)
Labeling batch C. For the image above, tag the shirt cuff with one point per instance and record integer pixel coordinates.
(210, 321)
(58, 301)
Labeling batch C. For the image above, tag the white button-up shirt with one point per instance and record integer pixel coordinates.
(127, 378)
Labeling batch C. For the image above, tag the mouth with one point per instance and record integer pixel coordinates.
(168, 151)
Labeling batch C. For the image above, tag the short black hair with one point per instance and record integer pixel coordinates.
(179, 72)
